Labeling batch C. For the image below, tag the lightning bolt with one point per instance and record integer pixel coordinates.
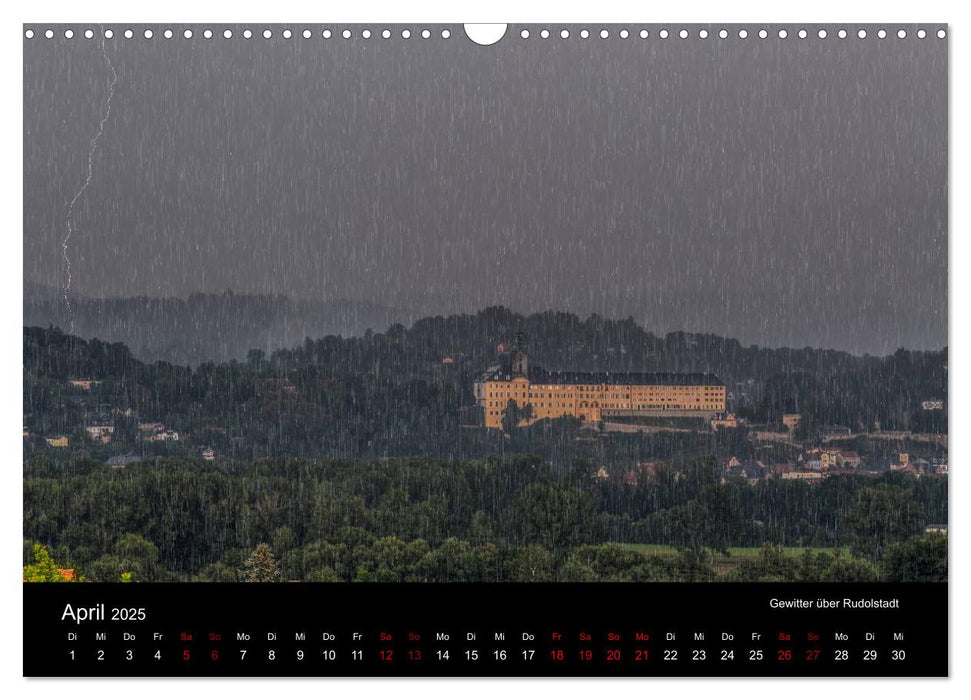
(92, 149)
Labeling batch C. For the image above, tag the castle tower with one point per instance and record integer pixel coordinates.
(520, 366)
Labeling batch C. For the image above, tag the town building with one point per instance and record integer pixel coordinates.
(728, 462)
(809, 477)
(595, 396)
(122, 461)
(902, 463)
(164, 436)
(727, 421)
(278, 384)
(835, 432)
(777, 471)
(791, 420)
(100, 432)
(84, 384)
(828, 458)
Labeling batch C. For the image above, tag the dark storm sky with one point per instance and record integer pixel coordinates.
(783, 192)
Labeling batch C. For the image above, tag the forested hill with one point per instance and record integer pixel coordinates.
(203, 327)
(412, 384)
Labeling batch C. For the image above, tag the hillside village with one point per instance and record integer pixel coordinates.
(412, 392)
(804, 460)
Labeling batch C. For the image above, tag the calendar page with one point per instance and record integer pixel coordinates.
(485, 350)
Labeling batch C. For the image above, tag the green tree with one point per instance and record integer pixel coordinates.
(513, 416)
(555, 517)
(919, 559)
(137, 557)
(575, 571)
(218, 573)
(284, 539)
(323, 574)
(450, 562)
(531, 564)
(845, 569)
(881, 515)
(43, 569)
(260, 566)
(480, 529)
(714, 520)
(811, 566)
(771, 564)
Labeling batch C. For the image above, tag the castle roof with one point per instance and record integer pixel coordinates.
(539, 375)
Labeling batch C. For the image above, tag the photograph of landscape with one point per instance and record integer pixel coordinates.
(317, 308)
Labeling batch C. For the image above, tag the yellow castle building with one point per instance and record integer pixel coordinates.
(595, 396)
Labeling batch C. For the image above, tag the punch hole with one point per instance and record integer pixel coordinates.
(484, 34)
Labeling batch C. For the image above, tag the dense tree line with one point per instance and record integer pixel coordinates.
(205, 327)
(432, 520)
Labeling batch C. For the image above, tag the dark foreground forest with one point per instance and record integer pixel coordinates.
(518, 519)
